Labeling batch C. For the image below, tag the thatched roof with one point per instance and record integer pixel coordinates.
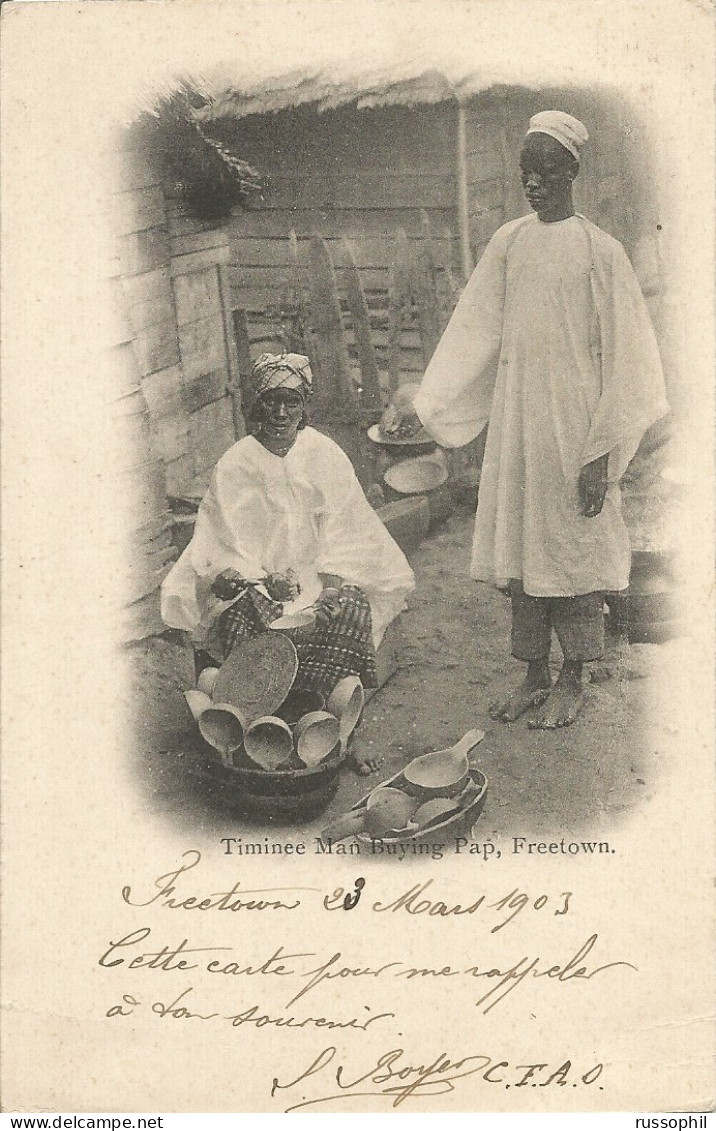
(326, 89)
(410, 84)
(263, 56)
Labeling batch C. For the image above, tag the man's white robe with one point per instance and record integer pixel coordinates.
(551, 341)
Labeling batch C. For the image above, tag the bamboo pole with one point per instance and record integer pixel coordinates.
(463, 215)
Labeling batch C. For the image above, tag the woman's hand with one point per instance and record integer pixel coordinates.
(282, 587)
(227, 585)
(592, 485)
(328, 605)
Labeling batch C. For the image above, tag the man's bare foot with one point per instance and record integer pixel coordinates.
(533, 691)
(612, 663)
(564, 702)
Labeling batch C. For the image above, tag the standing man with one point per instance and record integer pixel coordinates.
(551, 342)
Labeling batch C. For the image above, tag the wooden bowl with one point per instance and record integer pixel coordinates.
(268, 742)
(316, 734)
(197, 702)
(223, 727)
(304, 618)
(388, 811)
(207, 680)
(457, 823)
(346, 702)
(441, 773)
(258, 674)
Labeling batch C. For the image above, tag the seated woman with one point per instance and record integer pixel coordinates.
(285, 526)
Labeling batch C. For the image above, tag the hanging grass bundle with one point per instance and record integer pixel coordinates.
(209, 177)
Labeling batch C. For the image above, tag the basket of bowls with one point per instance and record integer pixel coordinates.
(276, 749)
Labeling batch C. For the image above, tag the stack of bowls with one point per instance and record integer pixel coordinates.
(279, 748)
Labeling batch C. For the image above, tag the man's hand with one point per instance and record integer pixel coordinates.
(227, 585)
(592, 485)
(400, 421)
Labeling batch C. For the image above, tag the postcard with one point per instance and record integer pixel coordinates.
(322, 791)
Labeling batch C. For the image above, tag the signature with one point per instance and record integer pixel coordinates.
(393, 1076)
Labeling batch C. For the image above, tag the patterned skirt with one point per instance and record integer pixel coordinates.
(343, 646)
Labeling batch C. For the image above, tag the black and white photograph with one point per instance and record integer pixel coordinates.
(359, 538)
(301, 290)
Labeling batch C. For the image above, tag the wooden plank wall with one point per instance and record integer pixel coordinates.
(205, 340)
(172, 266)
(487, 173)
(175, 365)
(135, 212)
(365, 174)
(359, 174)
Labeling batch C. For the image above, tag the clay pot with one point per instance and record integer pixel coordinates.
(650, 610)
(223, 727)
(346, 702)
(268, 742)
(316, 734)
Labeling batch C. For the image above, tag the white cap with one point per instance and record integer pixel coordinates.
(565, 129)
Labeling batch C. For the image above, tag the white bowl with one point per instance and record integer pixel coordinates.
(416, 476)
(304, 618)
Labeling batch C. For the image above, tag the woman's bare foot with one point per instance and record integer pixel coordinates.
(533, 691)
(564, 702)
(363, 763)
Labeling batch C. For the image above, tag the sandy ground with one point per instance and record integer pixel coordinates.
(455, 661)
